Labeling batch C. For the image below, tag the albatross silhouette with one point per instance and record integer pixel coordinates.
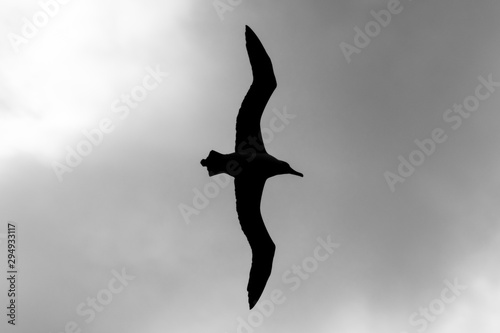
(251, 166)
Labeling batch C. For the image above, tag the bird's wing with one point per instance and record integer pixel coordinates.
(248, 134)
(248, 194)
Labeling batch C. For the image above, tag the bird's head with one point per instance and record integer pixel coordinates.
(285, 168)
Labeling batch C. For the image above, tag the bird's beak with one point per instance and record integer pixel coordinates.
(296, 173)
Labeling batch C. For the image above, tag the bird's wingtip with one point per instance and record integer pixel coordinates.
(249, 30)
(251, 303)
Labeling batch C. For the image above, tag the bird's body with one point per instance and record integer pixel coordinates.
(239, 164)
(251, 166)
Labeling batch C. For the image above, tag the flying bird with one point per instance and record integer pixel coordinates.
(251, 166)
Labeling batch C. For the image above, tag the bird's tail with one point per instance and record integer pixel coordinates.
(215, 163)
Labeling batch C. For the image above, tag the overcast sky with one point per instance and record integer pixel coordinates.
(356, 103)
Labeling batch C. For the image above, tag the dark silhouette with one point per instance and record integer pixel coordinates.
(251, 166)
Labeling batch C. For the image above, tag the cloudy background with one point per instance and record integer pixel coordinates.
(120, 207)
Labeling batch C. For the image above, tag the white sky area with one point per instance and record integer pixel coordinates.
(118, 208)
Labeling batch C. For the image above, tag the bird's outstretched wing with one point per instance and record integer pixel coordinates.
(248, 134)
(248, 194)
